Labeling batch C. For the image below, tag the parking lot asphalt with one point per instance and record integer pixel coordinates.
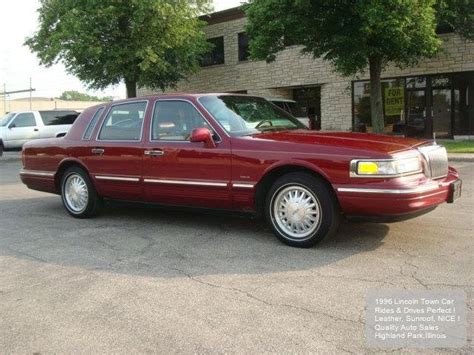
(152, 280)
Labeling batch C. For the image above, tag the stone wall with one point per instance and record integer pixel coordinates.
(292, 69)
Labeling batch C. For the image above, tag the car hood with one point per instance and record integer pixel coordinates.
(363, 141)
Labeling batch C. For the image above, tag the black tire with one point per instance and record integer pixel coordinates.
(93, 203)
(324, 217)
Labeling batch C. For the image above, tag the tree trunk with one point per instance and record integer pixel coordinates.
(376, 108)
(131, 86)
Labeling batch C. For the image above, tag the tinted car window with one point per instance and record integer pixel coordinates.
(92, 123)
(55, 118)
(174, 121)
(296, 110)
(24, 120)
(124, 122)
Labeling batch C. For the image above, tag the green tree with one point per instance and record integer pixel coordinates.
(73, 95)
(152, 43)
(351, 34)
(457, 15)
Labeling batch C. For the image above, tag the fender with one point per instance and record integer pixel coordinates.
(295, 162)
(68, 161)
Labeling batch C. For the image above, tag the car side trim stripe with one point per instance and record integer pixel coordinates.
(117, 178)
(182, 182)
(416, 190)
(243, 186)
(37, 172)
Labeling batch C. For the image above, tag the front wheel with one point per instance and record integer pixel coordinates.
(78, 194)
(301, 210)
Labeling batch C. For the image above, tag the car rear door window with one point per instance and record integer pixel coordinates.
(92, 123)
(124, 122)
(56, 118)
(24, 120)
(174, 121)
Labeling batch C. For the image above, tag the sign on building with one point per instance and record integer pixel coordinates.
(394, 101)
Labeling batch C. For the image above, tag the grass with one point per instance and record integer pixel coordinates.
(466, 146)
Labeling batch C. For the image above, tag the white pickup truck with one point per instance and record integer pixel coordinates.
(17, 128)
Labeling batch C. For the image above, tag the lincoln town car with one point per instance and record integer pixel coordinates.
(238, 153)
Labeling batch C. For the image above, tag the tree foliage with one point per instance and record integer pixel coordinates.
(73, 95)
(152, 43)
(457, 15)
(353, 34)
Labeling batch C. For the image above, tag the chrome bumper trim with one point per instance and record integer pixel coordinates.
(37, 172)
(117, 178)
(189, 183)
(416, 190)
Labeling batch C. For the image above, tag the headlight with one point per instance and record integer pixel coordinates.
(386, 168)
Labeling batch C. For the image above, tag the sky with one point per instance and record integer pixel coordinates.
(18, 20)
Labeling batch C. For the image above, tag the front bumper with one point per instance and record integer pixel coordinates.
(399, 198)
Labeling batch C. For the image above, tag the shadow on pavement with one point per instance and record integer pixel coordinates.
(160, 243)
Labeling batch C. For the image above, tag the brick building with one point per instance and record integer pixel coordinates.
(437, 96)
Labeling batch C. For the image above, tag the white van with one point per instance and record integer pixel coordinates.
(292, 108)
(17, 128)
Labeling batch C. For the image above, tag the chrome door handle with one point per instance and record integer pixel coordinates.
(97, 151)
(154, 153)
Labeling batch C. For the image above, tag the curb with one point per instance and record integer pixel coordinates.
(461, 159)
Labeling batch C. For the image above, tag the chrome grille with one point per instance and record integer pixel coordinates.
(436, 161)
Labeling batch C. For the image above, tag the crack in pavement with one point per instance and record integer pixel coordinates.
(260, 300)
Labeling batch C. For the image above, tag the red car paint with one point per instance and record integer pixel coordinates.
(232, 174)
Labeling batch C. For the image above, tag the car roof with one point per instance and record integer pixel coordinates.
(179, 94)
(55, 110)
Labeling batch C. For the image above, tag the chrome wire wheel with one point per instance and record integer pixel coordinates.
(76, 193)
(297, 212)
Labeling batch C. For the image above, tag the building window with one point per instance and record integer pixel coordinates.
(243, 47)
(216, 55)
(422, 106)
(393, 97)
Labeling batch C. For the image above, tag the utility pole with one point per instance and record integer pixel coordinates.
(5, 98)
(5, 93)
(31, 93)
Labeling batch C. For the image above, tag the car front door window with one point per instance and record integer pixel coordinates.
(23, 120)
(174, 121)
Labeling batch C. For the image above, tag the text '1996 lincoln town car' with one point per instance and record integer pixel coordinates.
(238, 153)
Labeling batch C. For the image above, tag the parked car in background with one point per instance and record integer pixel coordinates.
(291, 106)
(16, 128)
(238, 153)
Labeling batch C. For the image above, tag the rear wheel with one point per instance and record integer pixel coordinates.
(301, 210)
(78, 194)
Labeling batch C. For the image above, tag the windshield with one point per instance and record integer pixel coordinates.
(5, 119)
(243, 115)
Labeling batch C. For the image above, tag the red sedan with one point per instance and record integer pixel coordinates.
(239, 153)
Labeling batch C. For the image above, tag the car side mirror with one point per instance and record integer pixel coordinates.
(12, 126)
(202, 135)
